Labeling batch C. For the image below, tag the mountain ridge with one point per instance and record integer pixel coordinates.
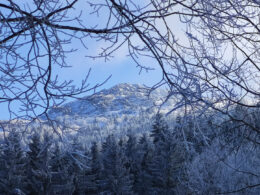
(122, 98)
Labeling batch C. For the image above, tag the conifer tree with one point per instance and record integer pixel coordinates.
(12, 165)
(38, 170)
(167, 160)
(77, 165)
(133, 158)
(160, 129)
(94, 175)
(56, 159)
(144, 176)
(62, 182)
(117, 179)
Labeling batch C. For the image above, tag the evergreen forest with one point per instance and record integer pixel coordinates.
(168, 159)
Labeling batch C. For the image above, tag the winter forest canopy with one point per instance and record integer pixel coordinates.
(207, 54)
(155, 162)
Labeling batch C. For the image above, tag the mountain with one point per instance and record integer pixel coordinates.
(118, 110)
(121, 99)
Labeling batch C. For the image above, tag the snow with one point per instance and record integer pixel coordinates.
(121, 99)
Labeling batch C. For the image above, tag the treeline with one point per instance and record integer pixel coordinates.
(145, 165)
(193, 156)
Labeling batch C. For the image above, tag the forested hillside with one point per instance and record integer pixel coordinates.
(190, 126)
(185, 156)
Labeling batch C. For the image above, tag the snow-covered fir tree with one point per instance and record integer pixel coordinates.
(133, 158)
(116, 176)
(61, 179)
(144, 176)
(168, 158)
(94, 174)
(12, 165)
(38, 170)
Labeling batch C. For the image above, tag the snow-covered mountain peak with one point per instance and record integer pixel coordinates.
(125, 89)
(120, 99)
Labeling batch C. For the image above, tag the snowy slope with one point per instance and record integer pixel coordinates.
(121, 99)
(122, 109)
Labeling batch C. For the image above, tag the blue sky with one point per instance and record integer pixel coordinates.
(121, 72)
(121, 68)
